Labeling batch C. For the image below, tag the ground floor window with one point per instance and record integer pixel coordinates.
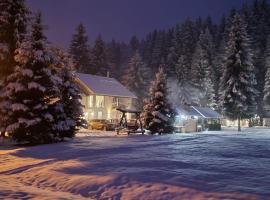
(100, 115)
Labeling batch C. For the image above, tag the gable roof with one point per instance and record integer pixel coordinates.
(106, 86)
(204, 112)
(207, 112)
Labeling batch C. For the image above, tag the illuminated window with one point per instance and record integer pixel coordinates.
(115, 101)
(90, 101)
(99, 115)
(100, 101)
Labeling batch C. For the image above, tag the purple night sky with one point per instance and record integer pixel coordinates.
(120, 19)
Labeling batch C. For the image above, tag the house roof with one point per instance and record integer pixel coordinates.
(204, 112)
(106, 86)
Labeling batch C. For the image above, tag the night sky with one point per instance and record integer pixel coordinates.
(120, 19)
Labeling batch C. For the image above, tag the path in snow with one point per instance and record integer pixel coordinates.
(217, 165)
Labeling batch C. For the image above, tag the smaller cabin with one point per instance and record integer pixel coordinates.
(195, 119)
(101, 96)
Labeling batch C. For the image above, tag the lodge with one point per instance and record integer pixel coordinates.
(101, 96)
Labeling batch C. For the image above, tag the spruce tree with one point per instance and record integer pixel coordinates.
(267, 75)
(158, 115)
(99, 58)
(13, 27)
(238, 81)
(185, 92)
(202, 73)
(31, 90)
(114, 59)
(68, 107)
(136, 77)
(79, 50)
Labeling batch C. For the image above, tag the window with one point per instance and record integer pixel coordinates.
(99, 115)
(90, 101)
(100, 101)
(115, 102)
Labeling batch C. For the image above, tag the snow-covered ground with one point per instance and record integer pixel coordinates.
(210, 165)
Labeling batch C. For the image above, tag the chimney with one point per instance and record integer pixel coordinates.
(108, 74)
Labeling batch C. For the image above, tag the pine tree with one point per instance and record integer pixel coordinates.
(259, 22)
(158, 115)
(69, 117)
(136, 78)
(31, 90)
(13, 27)
(185, 91)
(202, 72)
(134, 44)
(79, 50)
(238, 81)
(267, 76)
(267, 87)
(114, 58)
(99, 57)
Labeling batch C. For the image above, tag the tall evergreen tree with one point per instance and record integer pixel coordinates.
(137, 77)
(186, 91)
(238, 81)
(68, 108)
(79, 50)
(259, 30)
(202, 71)
(267, 76)
(13, 27)
(114, 56)
(31, 91)
(99, 58)
(158, 115)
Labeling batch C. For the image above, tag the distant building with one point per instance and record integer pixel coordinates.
(102, 95)
(195, 118)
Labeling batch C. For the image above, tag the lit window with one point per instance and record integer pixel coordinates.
(99, 115)
(100, 101)
(90, 101)
(115, 101)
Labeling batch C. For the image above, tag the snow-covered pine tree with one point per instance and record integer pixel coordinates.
(185, 92)
(69, 117)
(158, 115)
(13, 26)
(134, 44)
(114, 58)
(79, 50)
(238, 81)
(99, 58)
(267, 75)
(31, 91)
(267, 87)
(258, 29)
(136, 78)
(202, 73)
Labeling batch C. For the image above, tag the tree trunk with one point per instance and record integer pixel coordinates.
(239, 123)
(261, 121)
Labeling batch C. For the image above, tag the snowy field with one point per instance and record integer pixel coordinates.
(210, 165)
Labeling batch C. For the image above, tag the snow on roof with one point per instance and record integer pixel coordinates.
(207, 112)
(104, 86)
(204, 112)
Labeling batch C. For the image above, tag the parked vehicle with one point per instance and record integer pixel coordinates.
(101, 124)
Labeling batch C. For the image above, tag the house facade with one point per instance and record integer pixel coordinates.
(102, 95)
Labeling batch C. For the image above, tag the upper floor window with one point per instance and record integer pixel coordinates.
(100, 101)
